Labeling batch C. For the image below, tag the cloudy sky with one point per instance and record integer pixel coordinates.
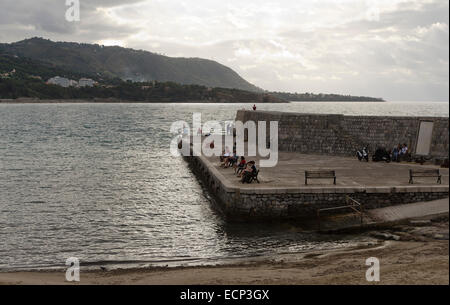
(395, 49)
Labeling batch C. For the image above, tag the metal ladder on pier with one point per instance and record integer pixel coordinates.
(350, 204)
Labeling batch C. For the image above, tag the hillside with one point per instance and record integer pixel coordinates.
(28, 68)
(127, 64)
(24, 77)
(116, 69)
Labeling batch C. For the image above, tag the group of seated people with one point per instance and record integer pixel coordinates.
(243, 169)
(400, 152)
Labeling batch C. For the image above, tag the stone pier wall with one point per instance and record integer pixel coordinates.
(342, 135)
(261, 204)
(323, 134)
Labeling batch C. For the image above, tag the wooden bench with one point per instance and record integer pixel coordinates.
(320, 175)
(424, 173)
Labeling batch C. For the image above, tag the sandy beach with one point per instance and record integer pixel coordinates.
(420, 256)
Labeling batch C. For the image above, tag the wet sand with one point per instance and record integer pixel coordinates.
(421, 256)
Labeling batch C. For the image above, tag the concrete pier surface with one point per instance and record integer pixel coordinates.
(282, 193)
(410, 211)
(420, 212)
(351, 173)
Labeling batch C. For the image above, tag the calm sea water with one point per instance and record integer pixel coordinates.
(97, 182)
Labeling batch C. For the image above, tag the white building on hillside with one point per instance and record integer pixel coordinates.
(60, 81)
(86, 82)
(65, 82)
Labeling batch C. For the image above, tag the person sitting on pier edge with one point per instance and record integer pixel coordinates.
(405, 149)
(395, 153)
(254, 107)
(250, 166)
(248, 172)
(239, 167)
(222, 156)
(225, 157)
(403, 152)
(232, 160)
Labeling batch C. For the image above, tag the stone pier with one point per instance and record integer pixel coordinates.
(282, 193)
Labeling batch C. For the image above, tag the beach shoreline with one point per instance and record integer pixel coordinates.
(419, 257)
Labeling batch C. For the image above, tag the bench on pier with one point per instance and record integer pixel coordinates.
(320, 175)
(434, 173)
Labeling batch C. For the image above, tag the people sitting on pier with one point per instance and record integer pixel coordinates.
(249, 167)
(396, 153)
(248, 172)
(232, 160)
(405, 149)
(225, 157)
(222, 156)
(238, 167)
(404, 152)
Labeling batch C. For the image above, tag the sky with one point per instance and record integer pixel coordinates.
(395, 49)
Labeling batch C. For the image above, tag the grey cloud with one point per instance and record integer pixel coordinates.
(21, 19)
(287, 45)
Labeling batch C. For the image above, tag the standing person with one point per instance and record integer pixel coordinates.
(254, 107)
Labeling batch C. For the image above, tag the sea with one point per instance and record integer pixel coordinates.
(97, 182)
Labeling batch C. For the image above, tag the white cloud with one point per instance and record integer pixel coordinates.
(397, 49)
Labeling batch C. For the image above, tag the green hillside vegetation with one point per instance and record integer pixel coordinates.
(129, 91)
(127, 64)
(27, 68)
(75, 61)
(30, 76)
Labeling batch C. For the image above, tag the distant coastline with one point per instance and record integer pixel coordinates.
(119, 101)
(323, 97)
